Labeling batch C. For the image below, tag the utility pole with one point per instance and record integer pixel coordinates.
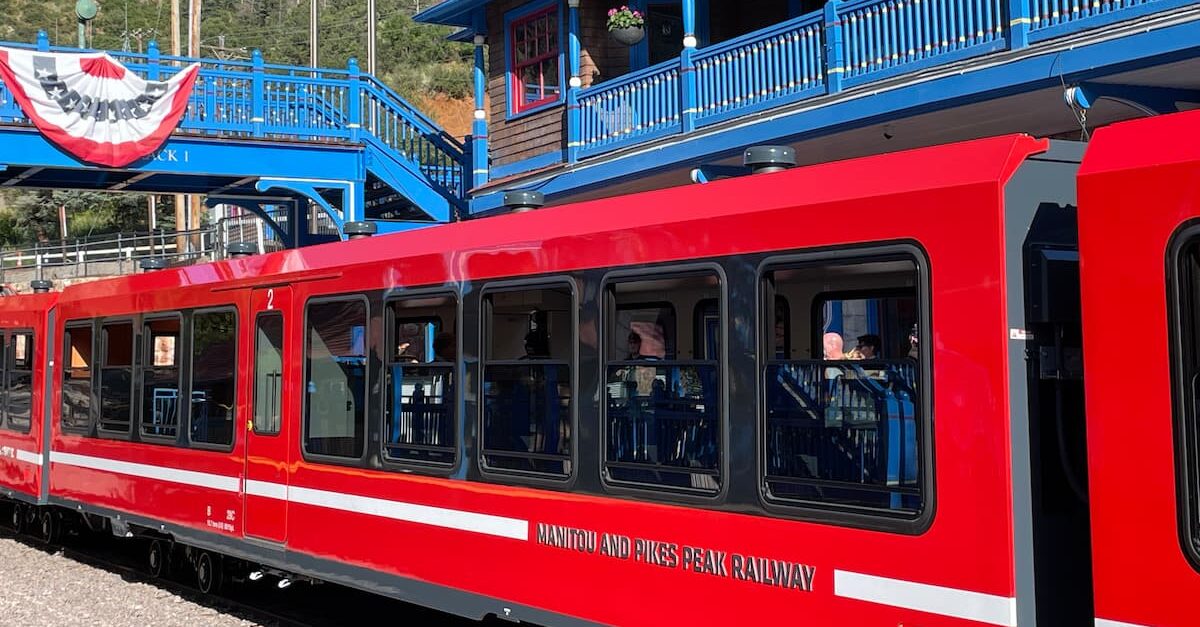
(314, 30)
(180, 199)
(371, 37)
(196, 6)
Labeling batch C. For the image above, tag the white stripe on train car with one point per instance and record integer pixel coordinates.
(977, 606)
(489, 524)
(29, 457)
(1104, 622)
(266, 489)
(172, 475)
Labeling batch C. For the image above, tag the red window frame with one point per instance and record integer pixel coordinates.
(516, 94)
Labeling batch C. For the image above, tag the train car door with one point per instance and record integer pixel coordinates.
(267, 432)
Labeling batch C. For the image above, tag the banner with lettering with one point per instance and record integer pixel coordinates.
(92, 106)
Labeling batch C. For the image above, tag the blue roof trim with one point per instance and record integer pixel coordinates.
(451, 13)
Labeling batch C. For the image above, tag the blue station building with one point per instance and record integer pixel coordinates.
(562, 107)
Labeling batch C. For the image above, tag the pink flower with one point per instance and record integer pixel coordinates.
(612, 12)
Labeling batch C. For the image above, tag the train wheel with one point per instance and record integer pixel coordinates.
(209, 575)
(48, 531)
(17, 522)
(156, 558)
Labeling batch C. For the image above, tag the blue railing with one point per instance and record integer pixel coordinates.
(878, 36)
(847, 44)
(633, 108)
(253, 99)
(786, 61)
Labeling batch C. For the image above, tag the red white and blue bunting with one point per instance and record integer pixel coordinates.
(92, 106)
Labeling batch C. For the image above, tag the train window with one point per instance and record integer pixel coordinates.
(268, 373)
(18, 386)
(77, 378)
(336, 378)
(116, 377)
(842, 417)
(160, 378)
(662, 386)
(1186, 372)
(214, 364)
(419, 379)
(528, 352)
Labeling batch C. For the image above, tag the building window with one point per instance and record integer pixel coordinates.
(420, 383)
(77, 378)
(160, 378)
(528, 351)
(19, 380)
(535, 76)
(214, 363)
(336, 378)
(116, 377)
(843, 423)
(662, 387)
(268, 373)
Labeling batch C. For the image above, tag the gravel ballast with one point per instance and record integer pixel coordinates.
(41, 588)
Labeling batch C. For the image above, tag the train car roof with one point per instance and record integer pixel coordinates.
(28, 302)
(989, 161)
(1121, 146)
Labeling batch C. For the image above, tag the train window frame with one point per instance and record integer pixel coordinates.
(143, 362)
(10, 359)
(845, 515)
(100, 431)
(607, 308)
(189, 359)
(390, 461)
(485, 320)
(1185, 418)
(254, 372)
(90, 429)
(368, 380)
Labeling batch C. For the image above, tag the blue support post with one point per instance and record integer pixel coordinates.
(258, 103)
(835, 59)
(687, 69)
(354, 100)
(43, 41)
(479, 131)
(152, 57)
(574, 51)
(1020, 16)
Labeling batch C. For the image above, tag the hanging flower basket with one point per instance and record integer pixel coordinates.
(628, 26)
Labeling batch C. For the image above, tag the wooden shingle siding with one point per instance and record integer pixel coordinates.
(530, 135)
(545, 131)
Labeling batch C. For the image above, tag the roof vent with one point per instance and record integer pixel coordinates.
(767, 159)
(152, 263)
(40, 286)
(524, 200)
(359, 230)
(241, 249)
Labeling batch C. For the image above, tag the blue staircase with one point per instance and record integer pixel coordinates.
(412, 168)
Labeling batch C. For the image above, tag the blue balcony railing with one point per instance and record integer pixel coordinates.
(786, 61)
(633, 108)
(253, 99)
(847, 44)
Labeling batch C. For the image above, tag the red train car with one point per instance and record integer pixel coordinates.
(24, 365)
(628, 411)
(1139, 192)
